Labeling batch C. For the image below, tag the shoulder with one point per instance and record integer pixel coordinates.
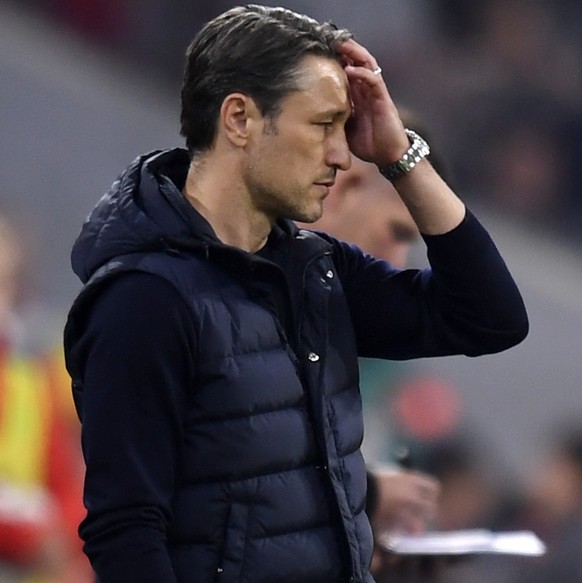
(133, 302)
(138, 289)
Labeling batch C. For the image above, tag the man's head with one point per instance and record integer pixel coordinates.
(253, 50)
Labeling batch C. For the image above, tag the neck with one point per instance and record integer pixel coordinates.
(225, 204)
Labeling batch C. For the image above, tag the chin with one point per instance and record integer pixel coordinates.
(311, 218)
(307, 215)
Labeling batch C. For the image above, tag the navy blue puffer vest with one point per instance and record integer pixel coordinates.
(271, 480)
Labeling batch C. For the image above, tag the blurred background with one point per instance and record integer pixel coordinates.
(87, 85)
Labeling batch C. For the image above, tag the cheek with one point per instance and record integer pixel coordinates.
(307, 147)
(295, 160)
(299, 167)
(269, 165)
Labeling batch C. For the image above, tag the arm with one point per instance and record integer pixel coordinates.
(467, 303)
(375, 134)
(135, 354)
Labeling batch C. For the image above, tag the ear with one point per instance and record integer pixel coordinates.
(238, 118)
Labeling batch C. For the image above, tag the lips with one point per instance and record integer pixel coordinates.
(327, 181)
(325, 185)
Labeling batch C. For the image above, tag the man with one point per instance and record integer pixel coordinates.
(214, 347)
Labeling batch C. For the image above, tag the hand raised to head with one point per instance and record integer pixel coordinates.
(374, 131)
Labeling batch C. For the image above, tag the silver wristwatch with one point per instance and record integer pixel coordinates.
(418, 150)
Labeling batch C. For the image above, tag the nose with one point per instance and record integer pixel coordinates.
(338, 152)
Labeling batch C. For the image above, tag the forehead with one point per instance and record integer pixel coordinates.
(323, 86)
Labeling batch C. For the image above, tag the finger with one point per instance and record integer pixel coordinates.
(414, 521)
(425, 509)
(358, 55)
(427, 487)
(422, 493)
(416, 515)
(367, 78)
(428, 492)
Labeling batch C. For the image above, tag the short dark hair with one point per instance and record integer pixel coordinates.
(255, 50)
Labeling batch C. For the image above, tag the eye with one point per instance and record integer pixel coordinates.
(326, 125)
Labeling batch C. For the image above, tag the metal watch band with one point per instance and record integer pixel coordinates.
(418, 150)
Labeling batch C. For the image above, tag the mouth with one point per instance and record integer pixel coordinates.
(326, 183)
(324, 186)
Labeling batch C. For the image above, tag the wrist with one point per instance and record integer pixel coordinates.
(417, 151)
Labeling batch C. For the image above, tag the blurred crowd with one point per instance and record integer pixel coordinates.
(474, 495)
(40, 462)
(501, 84)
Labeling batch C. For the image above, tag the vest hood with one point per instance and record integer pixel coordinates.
(143, 210)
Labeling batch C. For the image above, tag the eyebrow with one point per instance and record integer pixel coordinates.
(336, 113)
